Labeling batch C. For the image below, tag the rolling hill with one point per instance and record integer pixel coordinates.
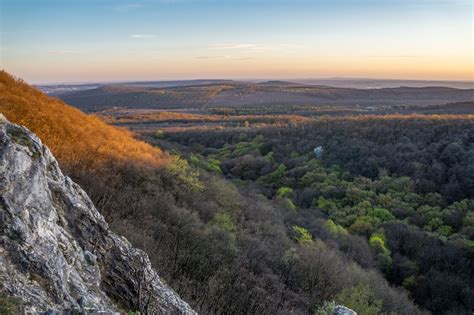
(242, 94)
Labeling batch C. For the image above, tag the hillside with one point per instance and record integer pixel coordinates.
(72, 136)
(59, 89)
(57, 253)
(271, 93)
(143, 97)
(223, 246)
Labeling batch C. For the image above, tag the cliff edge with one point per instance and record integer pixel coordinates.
(56, 250)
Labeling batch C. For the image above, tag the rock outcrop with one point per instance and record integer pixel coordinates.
(56, 251)
(342, 310)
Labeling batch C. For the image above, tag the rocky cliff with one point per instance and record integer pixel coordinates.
(56, 251)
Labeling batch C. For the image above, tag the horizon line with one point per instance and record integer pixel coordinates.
(243, 79)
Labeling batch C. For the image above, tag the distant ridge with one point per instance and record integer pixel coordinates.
(268, 93)
(59, 89)
(366, 83)
(280, 83)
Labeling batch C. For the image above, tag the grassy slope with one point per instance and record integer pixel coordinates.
(72, 136)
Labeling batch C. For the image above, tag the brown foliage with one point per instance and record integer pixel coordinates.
(72, 136)
(140, 116)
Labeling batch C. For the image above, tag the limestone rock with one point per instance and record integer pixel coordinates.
(318, 151)
(57, 253)
(342, 310)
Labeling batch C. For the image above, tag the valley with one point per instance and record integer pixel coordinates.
(237, 157)
(391, 190)
(228, 199)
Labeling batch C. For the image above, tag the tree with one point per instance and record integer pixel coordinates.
(361, 299)
(303, 237)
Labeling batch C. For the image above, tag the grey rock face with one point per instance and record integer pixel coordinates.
(342, 310)
(318, 151)
(56, 251)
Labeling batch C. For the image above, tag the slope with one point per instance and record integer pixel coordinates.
(73, 137)
(56, 251)
(225, 248)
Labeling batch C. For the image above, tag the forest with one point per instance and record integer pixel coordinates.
(248, 217)
(404, 184)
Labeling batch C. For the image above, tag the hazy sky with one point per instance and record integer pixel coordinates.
(103, 40)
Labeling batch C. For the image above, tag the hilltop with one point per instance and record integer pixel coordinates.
(73, 136)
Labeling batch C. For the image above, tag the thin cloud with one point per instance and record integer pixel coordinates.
(392, 56)
(245, 58)
(142, 35)
(254, 47)
(263, 48)
(232, 46)
(208, 57)
(60, 52)
(128, 7)
(224, 57)
(292, 46)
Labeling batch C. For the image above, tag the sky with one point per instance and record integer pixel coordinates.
(65, 41)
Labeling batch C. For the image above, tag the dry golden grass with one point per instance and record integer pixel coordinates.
(73, 137)
(140, 116)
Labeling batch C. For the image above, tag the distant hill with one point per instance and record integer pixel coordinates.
(60, 89)
(361, 83)
(239, 94)
(73, 137)
(280, 83)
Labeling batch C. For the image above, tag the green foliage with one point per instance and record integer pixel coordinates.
(303, 237)
(434, 224)
(277, 175)
(360, 299)
(159, 134)
(208, 164)
(335, 228)
(409, 283)
(327, 308)
(290, 205)
(19, 136)
(377, 242)
(368, 190)
(224, 221)
(362, 226)
(9, 305)
(382, 214)
(444, 230)
(269, 157)
(468, 220)
(185, 174)
(382, 252)
(241, 148)
(328, 206)
(284, 192)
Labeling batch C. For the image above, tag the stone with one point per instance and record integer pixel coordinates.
(342, 310)
(57, 254)
(90, 258)
(318, 151)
